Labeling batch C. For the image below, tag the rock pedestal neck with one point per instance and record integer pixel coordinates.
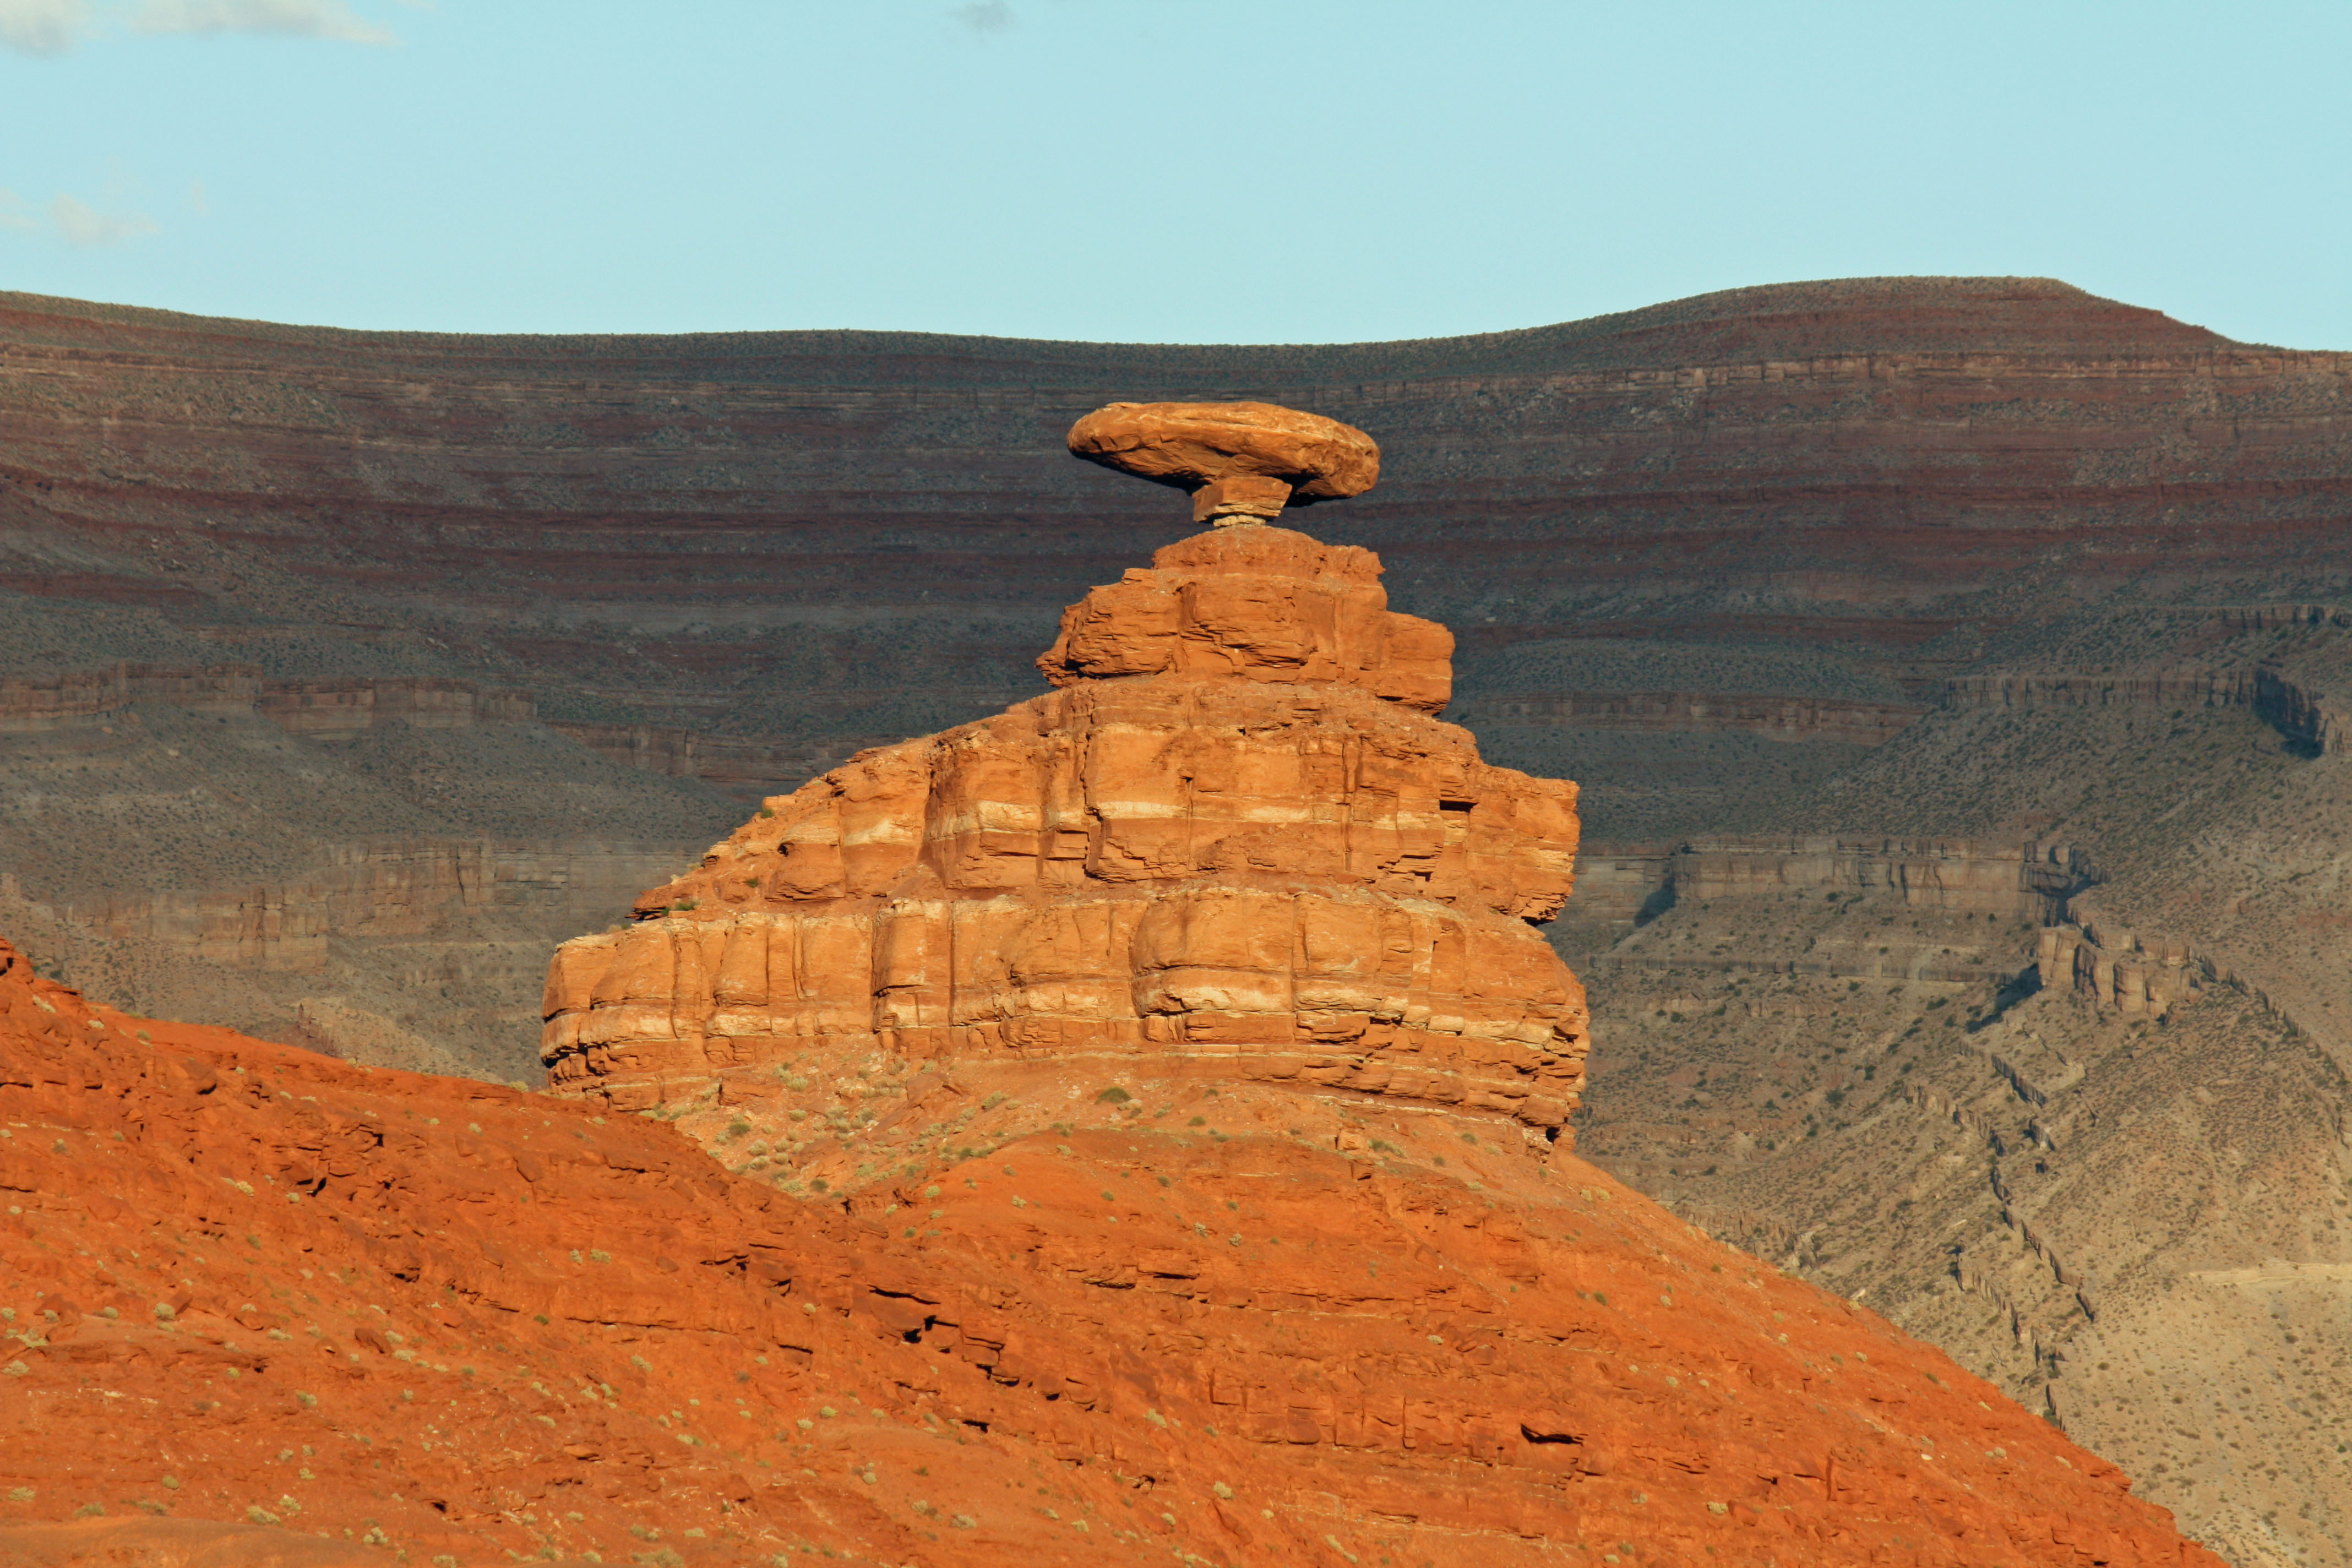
(1235, 843)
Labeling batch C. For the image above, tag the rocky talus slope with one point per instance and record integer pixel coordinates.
(2086, 1130)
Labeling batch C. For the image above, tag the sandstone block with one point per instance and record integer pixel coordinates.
(1260, 604)
(1242, 461)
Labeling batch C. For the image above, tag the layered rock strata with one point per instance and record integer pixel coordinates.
(747, 767)
(375, 889)
(2028, 880)
(2305, 715)
(1234, 838)
(1784, 719)
(328, 710)
(2137, 976)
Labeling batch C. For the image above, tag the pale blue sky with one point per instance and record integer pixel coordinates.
(1161, 170)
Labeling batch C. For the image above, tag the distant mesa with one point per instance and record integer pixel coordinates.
(1244, 462)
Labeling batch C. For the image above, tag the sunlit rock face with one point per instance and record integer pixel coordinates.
(1235, 839)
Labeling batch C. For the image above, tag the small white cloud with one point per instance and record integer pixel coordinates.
(985, 16)
(79, 223)
(42, 26)
(17, 214)
(329, 19)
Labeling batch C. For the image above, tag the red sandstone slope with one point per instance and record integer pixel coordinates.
(436, 1317)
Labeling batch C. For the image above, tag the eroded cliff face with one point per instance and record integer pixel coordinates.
(1234, 839)
(2090, 1139)
(211, 865)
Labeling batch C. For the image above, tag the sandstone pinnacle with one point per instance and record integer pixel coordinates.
(1173, 1067)
(1234, 846)
(1244, 462)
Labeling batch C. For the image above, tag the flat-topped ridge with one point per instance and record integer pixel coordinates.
(1769, 322)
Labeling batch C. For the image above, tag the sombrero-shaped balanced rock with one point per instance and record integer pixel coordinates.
(1244, 462)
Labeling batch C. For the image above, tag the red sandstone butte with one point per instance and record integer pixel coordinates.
(270, 1308)
(1172, 1070)
(1220, 848)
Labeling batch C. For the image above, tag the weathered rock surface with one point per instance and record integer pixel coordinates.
(1263, 603)
(1233, 837)
(1241, 460)
(317, 1314)
(2089, 1140)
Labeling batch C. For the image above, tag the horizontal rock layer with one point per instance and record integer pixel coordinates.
(321, 709)
(329, 710)
(1847, 462)
(2312, 718)
(747, 767)
(2031, 880)
(1234, 839)
(368, 890)
(1304, 881)
(1699, 713)
(1260, 602)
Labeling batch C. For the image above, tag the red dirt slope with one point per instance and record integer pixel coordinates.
(431, 1317)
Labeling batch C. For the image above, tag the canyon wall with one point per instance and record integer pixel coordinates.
(323, 709)
(2294, 709)
(379, 891)
(1894, 468)
(337, 709)
(747, 768)
(2028, 880)
(1786, 719)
